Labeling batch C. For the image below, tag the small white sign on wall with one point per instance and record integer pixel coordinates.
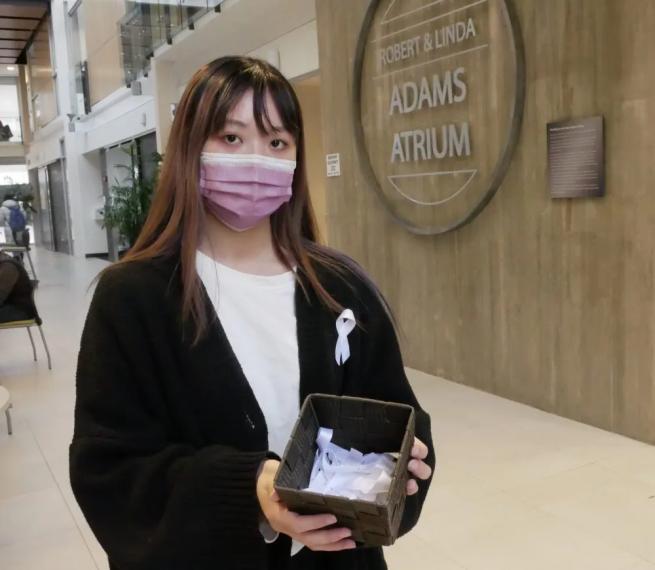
(333, 162)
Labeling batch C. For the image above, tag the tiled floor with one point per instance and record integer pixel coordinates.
(516, 489)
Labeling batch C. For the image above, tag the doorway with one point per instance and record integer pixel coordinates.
(53, 224)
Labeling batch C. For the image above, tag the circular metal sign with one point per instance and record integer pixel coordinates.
(438, 100)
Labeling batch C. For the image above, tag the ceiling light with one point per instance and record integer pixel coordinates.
(11, 68)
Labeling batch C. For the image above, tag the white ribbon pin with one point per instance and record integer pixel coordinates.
(345, 325)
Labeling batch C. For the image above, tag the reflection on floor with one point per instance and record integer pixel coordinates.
(516, 488)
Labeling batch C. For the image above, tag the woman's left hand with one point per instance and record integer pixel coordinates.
(416, 466)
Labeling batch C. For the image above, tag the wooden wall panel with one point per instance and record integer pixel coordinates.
(105, 70)
(309, 94)
(550, 303)
(101, 21)
(103, 49)
(42, 83)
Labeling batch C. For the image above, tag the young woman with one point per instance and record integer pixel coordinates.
(201, 344)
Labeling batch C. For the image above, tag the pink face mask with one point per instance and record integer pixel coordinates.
(243, 189)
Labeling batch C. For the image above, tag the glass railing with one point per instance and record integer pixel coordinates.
(148, 24)
(10, 129)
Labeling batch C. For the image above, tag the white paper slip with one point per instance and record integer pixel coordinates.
(350, 473)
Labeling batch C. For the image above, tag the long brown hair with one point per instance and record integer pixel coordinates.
(176, 218)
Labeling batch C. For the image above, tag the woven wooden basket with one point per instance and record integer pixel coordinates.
(366, 425)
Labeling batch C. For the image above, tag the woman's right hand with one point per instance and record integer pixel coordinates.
(307, 529)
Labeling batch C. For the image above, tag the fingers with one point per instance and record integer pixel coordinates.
(420, 469)
(311, 531)
(301, 524)
(412, 487)
(341, 545)
(419, 449)
(328, 540)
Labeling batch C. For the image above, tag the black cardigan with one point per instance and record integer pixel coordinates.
(169, 435)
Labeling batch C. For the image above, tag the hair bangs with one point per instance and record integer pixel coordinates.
(285, 103)
(228, 95)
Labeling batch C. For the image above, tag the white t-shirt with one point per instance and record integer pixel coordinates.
(258, 315)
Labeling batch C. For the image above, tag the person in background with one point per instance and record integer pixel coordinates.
(200, 344)
(15, 290)
(13, 218)
(5, 206)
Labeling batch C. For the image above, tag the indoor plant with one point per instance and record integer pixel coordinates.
(129, 200)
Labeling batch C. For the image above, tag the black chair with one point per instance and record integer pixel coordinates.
(20, 248)
(27, 321)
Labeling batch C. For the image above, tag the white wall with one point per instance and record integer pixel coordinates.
(296, 52)
(91, 198)
(119, 117)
